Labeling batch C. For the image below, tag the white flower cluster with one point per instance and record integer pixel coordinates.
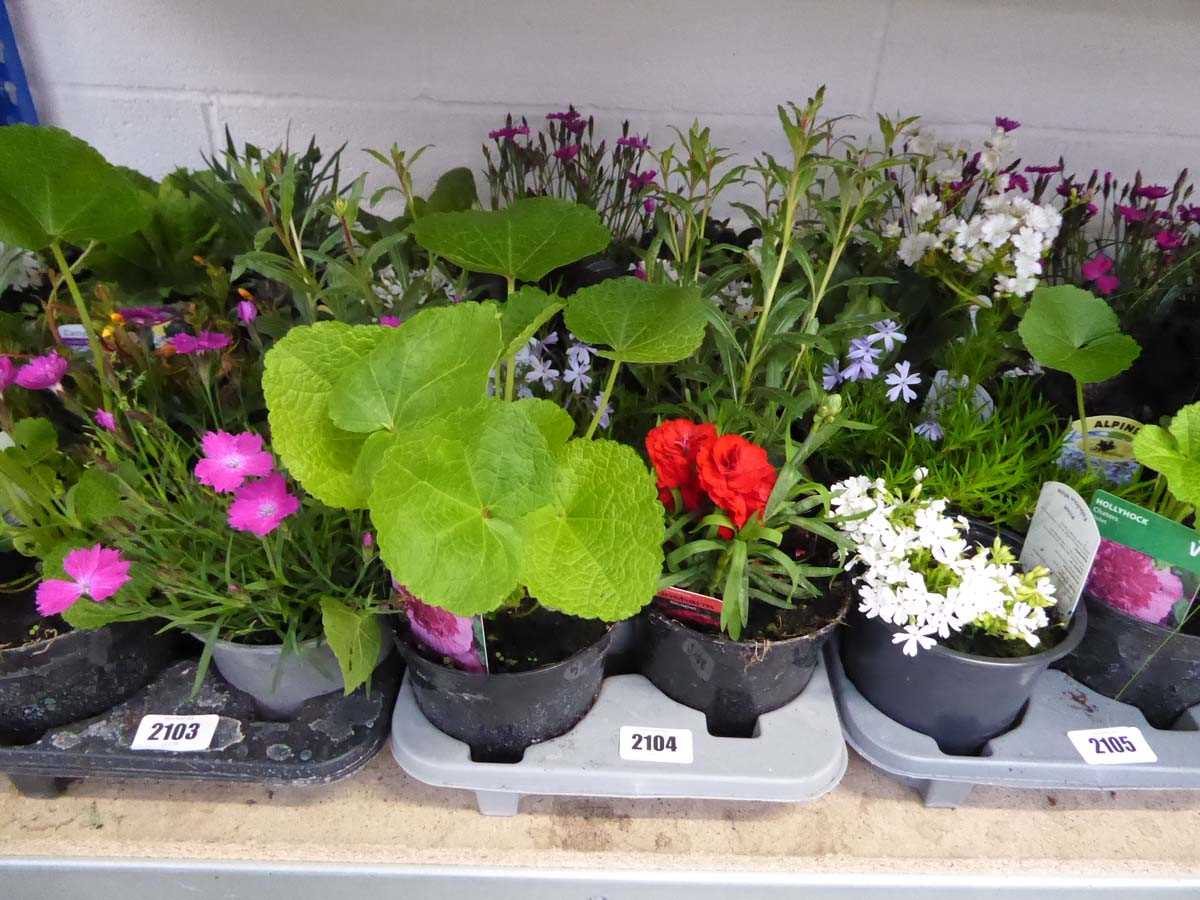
(905, 543)
(1008, 236)
(390, 288)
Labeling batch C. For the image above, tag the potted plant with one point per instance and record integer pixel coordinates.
(481, 501)
(753, 536)
(949, 635)
(1142, 646)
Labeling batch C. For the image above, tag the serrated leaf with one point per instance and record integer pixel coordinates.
(447, 498)
(523, 313)
(1071, 330)
(524, 241)
(36, 437)
(640, 322)
(1174, 452)
(354, 638)
(554, 422)
(437, 361)
(53, 186)
(596, 552)
(298, 378)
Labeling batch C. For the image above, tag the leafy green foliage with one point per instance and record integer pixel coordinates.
(524, 312)
(596, 552)
(642, 323)
(522, 242)
(298, 380)
(1174, 452)
(354, 637)
(1071, 330)
(55, 187)
(454, 191)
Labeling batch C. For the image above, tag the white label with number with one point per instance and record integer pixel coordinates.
(666, 745)
(175, 733)
(1112, 746)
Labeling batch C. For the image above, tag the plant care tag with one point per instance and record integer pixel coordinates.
(640, 743)
(689, 606)
(1112, 746)
(74, 337)
(179, 734)
(1063, 537)
(1109, 448)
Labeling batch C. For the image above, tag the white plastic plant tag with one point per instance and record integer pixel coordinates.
(1112, 746)
(74, 336)
(666, 745)
(175, 733)
(1063, 537)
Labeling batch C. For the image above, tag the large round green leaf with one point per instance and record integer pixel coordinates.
(55, 187)
(524, 312)
(1071, 330)
(298, 379)
(524, 241)
(1174, 452)
(596, 552)
(641, 322)
(447, 498)
(436, 361)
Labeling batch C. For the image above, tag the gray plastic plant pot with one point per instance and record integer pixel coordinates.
(1138, 663)
(279, 681)
(961, 700)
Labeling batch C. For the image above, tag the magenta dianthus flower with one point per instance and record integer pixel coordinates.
(1006, 124)
(105, 419)
(96, 572)
(259, 507)
(641, 180)
(1132, 213)
(507, 134)
(1018, 181)
(42, 373)
(8, 373)
(187, 345)
(567, 153)
(145, 316)
(1044, 170)
(634, 141)
(229, 459)
(247, 311)
(390, 321)
(1169, 240)
(1151, 191)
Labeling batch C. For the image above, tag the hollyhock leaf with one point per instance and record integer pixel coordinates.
(354, 638)
(1174, 452)
(523, 241)
(55, 187)
(439, 360)
(96, 496)
(454, 191)
(370, 457)
(1071, 330)
(596, 551)
(523, 313)
(36, 437)
(447, 498)
(640, 322)
(298, 379)
(554, 422)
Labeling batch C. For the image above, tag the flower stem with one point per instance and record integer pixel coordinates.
(1083, 426)
(607, 393)
(86, 319)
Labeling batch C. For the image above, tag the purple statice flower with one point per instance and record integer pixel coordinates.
(569, 116)
(1151, 191)
(43, 373)
(508, 133)
(1044, 170)
(105, 419)
(1169, 240)
(641, 180)
(606, 416)
(247, 311)
(145, 316)
(8, 373)
(203, 342)
(831, 375)
(390, 321)
(887, 331)
(634, 141)
(902, 383)
(1006, 124)
(930, 430)
(567, 152)
(1018, 181)
(1131, 213)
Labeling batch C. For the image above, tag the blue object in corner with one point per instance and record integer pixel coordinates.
(16, 103)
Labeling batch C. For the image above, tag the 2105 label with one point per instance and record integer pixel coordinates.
(1112, 746)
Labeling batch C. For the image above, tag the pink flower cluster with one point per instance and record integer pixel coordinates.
(42, 373)
(1133, 582)
(1098, 271)
(203, 342)
(229, 459)
(96, 572)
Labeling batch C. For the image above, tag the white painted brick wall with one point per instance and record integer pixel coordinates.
(152, 82)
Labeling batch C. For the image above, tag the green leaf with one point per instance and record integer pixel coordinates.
(55, 187)
(354, 638)
(36, 437)
(298, 379)
(1174, 452)
(437, 361)
(87, 615)
(447, 498)
(523, 313)
(454, 191)
(554, 422)
(596, 551)
(96, 496)
(1069, 329)
(523, 242)
(641, 322)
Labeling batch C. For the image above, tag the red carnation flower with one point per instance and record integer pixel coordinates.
(737, 475)
(673, 448)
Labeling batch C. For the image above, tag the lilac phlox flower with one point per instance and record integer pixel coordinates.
(542, 370)
(606, 416)
(902, 382)
(914, 637)
(577, 376)
(862, 369)
(541, 345)
(930, 430)
(580, 354)
(887, 331)
(831, 375)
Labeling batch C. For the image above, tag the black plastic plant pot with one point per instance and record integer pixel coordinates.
(731, 682)
(1110, 661)
(961, 700)
(502, 714)
(77, 674)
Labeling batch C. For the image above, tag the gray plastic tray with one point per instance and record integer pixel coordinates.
(1035, 754)
(796, 755)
